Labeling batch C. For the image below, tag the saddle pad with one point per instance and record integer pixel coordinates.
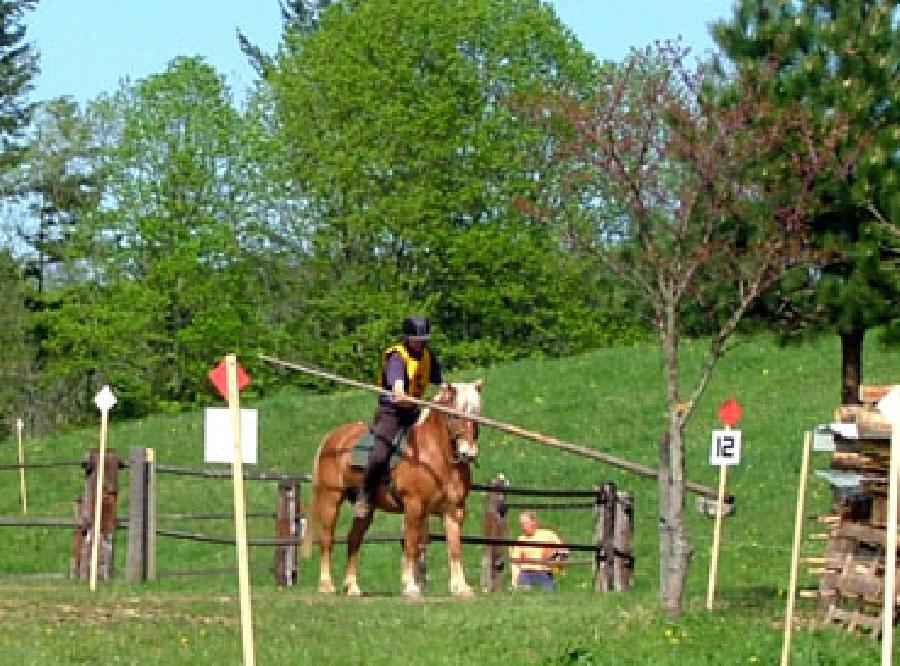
(359, 456)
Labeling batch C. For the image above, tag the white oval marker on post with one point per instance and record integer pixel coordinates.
(22, 491)
(105, 400)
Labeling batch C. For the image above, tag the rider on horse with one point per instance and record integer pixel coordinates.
(406, 370)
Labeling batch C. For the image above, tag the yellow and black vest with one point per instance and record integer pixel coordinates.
(418, 370)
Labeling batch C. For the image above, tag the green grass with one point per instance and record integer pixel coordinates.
(611, 400)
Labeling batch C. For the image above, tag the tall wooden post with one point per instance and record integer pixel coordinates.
(22, 490)
(240, 514)
(623, 542)
(795, 551)
(604, 519)
(493, 557)
(289, 524)
(890, 407)
(105, 400)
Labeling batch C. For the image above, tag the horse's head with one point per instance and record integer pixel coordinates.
(466, 398)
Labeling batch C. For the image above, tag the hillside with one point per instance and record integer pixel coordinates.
(610, 399)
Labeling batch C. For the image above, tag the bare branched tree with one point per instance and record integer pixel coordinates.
(694, 195)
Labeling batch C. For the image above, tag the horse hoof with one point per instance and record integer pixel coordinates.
(412, 592)
(462, 591)
(326, 588)
(353, 590)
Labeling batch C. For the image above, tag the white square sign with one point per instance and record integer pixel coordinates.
(726, 447)
(218, 440)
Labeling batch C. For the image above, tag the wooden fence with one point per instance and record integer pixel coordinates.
(610, 554)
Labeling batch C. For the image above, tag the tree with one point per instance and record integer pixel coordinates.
(15, 350)
(60, 180)
(407, 158)
(296, 15)
(836, 57)
(175, 251)
(692, 202)
(18, 67)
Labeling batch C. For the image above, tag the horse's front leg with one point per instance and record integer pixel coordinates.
(415, 525)
(453, 521)
(328, 505)
(354, 543)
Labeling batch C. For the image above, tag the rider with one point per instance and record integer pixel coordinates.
(406, 370)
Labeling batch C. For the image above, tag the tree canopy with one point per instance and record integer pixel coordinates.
(834, 57)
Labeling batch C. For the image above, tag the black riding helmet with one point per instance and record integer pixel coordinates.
(416, 328)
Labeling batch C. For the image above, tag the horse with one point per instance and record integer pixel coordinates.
(432, 477)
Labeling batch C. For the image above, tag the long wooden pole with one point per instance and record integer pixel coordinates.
(717, 535)
(240, 518)
(22, 489)
(621, 463)
(890, 558)
(795, 551)
(98, 498)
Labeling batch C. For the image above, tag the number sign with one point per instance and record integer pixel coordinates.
(726, 447)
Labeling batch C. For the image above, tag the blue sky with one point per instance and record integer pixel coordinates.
(88, 46)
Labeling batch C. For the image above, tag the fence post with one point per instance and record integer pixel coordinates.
(493, 557)
(288, 515)
(623, 542)
(108, 518)
(604, 519)
(137, 514)
(78, 549)
(141, 565)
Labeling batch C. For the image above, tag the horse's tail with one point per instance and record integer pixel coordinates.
(314, 521)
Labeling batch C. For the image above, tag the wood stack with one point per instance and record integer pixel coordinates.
(852, 572)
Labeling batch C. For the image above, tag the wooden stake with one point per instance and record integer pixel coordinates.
(240, 518)
(98, 498)
(795, 551)
(890, 559)
(717, 532)
(22, 490)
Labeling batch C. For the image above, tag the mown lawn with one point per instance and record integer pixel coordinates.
(610, 399)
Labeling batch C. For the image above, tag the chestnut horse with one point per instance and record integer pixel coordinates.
(432, 477)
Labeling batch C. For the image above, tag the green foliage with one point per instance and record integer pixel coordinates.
(835, 58)
(407, 159)
(175, 251)
(15, 351)
(18, 67)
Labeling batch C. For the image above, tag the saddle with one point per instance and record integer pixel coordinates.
(364, 445)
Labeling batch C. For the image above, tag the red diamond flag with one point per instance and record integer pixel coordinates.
(730, 412)
(219, 378)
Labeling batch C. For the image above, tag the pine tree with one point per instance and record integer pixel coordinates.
(18, 67)
(836, 57)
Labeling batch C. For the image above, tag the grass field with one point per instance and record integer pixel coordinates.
(610, 399)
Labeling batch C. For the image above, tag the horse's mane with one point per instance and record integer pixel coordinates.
(466, 399)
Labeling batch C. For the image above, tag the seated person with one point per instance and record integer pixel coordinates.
(532, 566)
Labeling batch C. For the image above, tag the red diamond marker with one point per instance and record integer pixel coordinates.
(730, 412)
(219, 378)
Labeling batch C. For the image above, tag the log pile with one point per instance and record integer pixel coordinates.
(851, 585)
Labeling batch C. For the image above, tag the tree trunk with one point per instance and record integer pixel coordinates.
(851, 365)
(674, 548)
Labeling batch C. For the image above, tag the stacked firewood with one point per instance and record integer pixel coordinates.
(852, 573)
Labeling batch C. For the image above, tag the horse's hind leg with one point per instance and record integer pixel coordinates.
(328, 505)
(354, 543)
(453, 521)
